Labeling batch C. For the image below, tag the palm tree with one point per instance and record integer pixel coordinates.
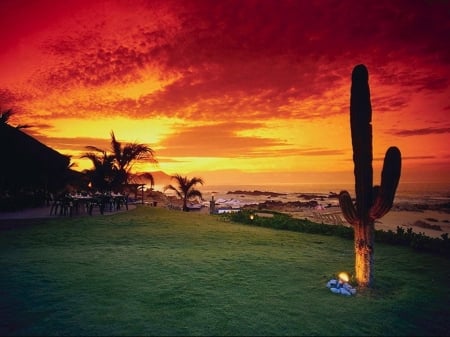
(101, 175)
(140, 177)
(186, 189)
(6, 115)
(112, 170)
(126, 155)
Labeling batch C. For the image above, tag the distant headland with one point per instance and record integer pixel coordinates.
(257, 193)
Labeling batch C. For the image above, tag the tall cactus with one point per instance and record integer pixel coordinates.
(372, 202)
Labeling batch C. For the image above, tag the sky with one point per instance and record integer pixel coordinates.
(232, 91)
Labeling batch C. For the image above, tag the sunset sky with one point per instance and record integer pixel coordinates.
(233, 91)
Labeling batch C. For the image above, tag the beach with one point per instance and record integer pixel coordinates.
(416, 220)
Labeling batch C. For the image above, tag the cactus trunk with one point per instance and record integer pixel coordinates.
(372, 202)
(361, 129)
(364, 253)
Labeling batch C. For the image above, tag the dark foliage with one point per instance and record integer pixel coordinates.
(417, 241)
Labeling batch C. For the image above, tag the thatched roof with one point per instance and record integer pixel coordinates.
(28, 163)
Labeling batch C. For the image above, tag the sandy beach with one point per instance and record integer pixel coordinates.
(415, 220)
(430, 223)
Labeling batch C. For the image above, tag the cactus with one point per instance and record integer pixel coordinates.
(372, 202)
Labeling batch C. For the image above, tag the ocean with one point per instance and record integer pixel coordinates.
(408, 192)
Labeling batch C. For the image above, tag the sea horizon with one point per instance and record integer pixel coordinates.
(425, 192)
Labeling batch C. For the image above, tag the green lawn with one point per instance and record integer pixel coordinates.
(152, 271)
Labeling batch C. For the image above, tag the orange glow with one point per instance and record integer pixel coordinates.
(343, 277)
(262, 97)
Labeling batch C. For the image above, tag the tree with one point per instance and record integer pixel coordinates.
(125, 157)
(101, 175)
(111, 170)
(185, 189)
(372, 202)
(6, 115)
(145, 175)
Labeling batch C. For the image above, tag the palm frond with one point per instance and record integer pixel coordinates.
(195, 193)
(23, 126)
(5, 116)
(173, 188)
(116, 148)
(94, 148)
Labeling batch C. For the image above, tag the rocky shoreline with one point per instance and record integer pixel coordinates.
(257, 193)
(421, 207)
(315, 199)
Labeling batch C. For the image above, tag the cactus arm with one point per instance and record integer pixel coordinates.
(361, 130)
(390, 177)
(347, 207)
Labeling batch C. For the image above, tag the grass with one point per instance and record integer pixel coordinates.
(152, 271)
